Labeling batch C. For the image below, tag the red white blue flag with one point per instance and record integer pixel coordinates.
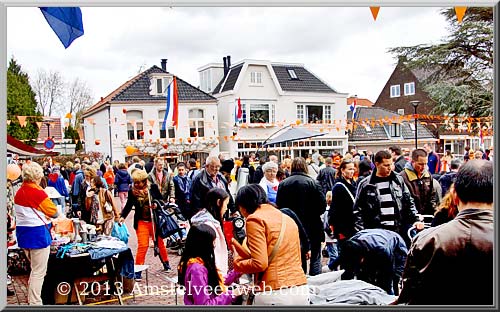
(353, 108)
(172, 108)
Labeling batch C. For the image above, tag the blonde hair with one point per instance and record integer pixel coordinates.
(139, 175)
(328, 197)
(32, 172)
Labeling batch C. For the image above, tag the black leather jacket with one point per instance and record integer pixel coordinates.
(452, 264)
(367, 205)
(199, 189)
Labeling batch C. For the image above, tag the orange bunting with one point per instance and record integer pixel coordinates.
(374, 11)
(39, 124)
(460, 12)
(22, 120)
(151, 122)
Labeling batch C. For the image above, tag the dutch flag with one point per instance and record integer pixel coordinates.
(353, 108)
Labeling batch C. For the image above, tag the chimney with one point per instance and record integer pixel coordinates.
(164, 64)
(228, 62)
(225, 66)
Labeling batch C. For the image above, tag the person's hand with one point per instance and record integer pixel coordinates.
(419, 225)
(172, 200)
(121, 220)
(308, 255)
(79, 214)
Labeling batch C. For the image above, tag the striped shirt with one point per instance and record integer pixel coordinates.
(387, 205)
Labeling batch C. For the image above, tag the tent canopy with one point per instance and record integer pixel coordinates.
(293, 134)
(24, 150)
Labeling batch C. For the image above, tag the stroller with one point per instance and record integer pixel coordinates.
(426, 219)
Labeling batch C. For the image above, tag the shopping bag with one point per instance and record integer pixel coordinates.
(120, 231)
(165, 223)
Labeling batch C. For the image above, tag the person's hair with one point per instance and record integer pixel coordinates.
(447, 204)
(467, 148)
(299, 164)
(364, 167)
(474, 182)
(212, 159)
(381, 155)
(77, 166)
(246, 160)
(192, 163)
(269, 165)
(69, 165)
(395, 149)
(200, 243)
(32, 172)
(181, 164)
(98, 182)
(139, 175)
(418, 152)
(212, 206)
(159, 159)
(280, 175)
(251, 197)
(136, 159)
(343, 165)
(455, 163)
(90, 171)
(328, 196)
(287, 162)
(122, 166)
(448, 153)
(328, 161)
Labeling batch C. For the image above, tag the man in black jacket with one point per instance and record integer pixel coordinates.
(303, 195)
(447, 179)
(208, 178)
(398, 158)
(326, 176)
(384, 201)
(447, 265)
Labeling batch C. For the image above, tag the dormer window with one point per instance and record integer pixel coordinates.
(159, 86)
(292, 74)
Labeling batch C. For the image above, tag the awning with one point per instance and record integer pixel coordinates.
(17, 147)
(294, 134)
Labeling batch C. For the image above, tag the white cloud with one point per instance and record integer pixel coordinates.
(343, 46)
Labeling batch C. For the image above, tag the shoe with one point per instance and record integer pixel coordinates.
(138, 276)
(166, 267)
(325, 269)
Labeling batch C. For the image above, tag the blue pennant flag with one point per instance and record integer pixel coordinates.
(66, 22)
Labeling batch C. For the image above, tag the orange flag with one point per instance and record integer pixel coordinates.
(8, 122)
(374, 12)
(460, 11)
(39, 124)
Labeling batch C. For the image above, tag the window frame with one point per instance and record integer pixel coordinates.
(247, 109)
(292, 74)
(256, 78)
(410, 85)
(395, 130)
(393, 91)
(169, 132)
(198, 122)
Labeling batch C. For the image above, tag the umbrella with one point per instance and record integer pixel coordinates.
(293, 134)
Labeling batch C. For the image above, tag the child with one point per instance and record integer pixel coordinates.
(331, 243)
(198, 273)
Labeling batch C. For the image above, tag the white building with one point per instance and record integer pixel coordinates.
(273, 96)
(132, 115)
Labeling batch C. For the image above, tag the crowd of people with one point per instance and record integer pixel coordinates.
(356, 209)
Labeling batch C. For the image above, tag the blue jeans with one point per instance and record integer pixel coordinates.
(333, 255)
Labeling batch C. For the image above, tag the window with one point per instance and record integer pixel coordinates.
(314, 113)
(292, 74)
(133, 125)
(328, 112)
(169, 131)
(256, 78)
(395, 91)
(159, 86)
(196, 123)
(401, 111)
(409, 88)
(300, 112)
(395, 130)
(259, 113)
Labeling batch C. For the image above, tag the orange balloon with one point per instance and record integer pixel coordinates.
(97, 142)
(130, 150)
(13, 172)
(124, 110)
(298, 122)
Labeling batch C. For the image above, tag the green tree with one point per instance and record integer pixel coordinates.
(460, 68)
(21, 102)
(71, 133)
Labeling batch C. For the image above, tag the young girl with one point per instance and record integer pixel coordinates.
(217, 200)
(204, 285)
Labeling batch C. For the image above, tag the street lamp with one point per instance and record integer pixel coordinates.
(415, 105)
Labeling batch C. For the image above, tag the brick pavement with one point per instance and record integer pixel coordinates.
(157, 278)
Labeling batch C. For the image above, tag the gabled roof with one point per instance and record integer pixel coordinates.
(306, 82)
(137, 89)
(380, 132)
(360, 102)
(55, 129)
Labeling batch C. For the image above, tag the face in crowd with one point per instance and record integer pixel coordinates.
(213, 166)
(384, 168)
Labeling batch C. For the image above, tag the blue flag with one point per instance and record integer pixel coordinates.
(66, 22)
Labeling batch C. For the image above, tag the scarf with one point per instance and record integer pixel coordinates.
(200, 261)
(273, 185)
(141, 194)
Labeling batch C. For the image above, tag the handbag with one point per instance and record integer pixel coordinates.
(120, 231)
(251, 295)
(107, 205)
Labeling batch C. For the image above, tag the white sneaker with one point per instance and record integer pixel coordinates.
(325, 269)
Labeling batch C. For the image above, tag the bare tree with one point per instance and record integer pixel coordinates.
(49, 89)
(79, 98)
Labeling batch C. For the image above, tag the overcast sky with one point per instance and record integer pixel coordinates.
(343, 46)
